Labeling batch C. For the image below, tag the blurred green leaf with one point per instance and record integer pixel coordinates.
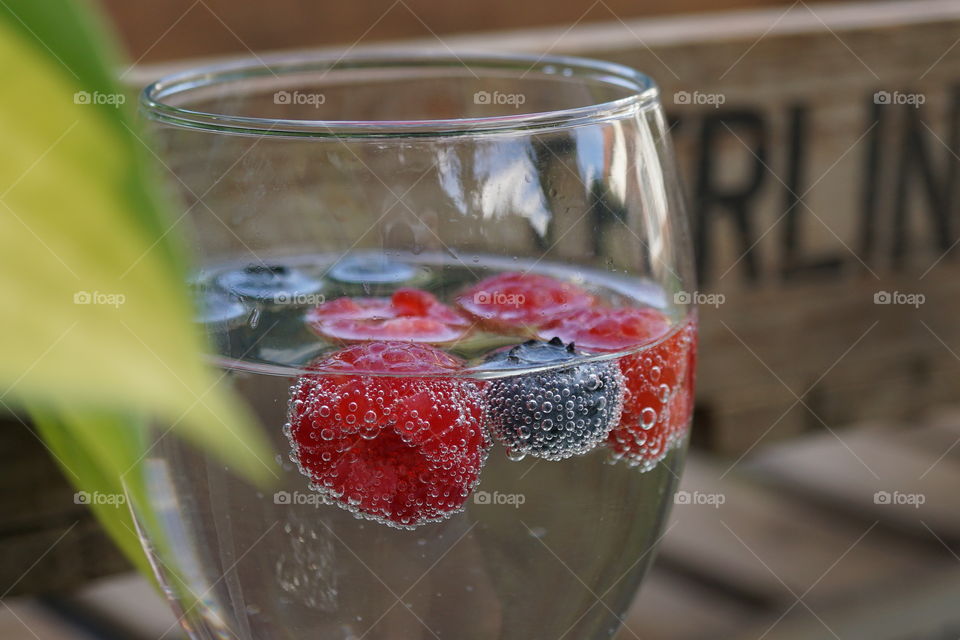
(67, 436)
(96, 317)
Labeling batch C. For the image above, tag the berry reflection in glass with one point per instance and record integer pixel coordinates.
(460, 328)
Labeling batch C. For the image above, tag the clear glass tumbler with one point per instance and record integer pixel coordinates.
(455, 291)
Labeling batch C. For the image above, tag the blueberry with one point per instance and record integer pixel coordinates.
(371, 269)
(223, 316)
(557, 412)
(218, 309)
(272, 284)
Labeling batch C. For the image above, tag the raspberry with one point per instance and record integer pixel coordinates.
(552, 414)
(659, 380)
(607, 329)
(518, 302)
(403, 449)
(409, 315)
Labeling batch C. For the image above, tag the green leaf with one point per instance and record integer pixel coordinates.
(95, 316)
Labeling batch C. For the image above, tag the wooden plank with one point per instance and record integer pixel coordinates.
(917, 489)
(182, 28)
(918, 610)
(938, 433)
(23, 619)
(129, 602)
(611, 34)
(764, 545)
(673, 607)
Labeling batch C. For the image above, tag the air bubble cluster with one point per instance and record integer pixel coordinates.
(305, 567)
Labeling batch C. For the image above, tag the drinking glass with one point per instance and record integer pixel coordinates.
(455, 291)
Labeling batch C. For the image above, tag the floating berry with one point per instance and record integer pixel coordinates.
(409, 315)
(217, 309)
(556, 413)
(271, 284)
(372, 269)
(609, 329)
(659, 380)
(520, 302)
(224, 317)
(404, 447)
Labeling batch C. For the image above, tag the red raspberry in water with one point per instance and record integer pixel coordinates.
(409, 315)
(658, 396)
(521, 302)
(404, 447)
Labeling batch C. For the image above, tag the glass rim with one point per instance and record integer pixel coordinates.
(154, 97)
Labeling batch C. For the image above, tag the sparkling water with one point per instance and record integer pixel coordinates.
(542, 547)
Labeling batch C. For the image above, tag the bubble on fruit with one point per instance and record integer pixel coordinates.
(648, 417)
(515, 455)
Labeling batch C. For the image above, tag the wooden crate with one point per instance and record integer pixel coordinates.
(810, 196)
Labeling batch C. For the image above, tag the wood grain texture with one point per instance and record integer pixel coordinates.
(188, 28)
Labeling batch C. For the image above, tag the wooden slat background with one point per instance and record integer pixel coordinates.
(799, 343)
(177, 29)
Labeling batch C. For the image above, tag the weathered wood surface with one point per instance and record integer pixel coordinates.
(805, 542)
(178, 29)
